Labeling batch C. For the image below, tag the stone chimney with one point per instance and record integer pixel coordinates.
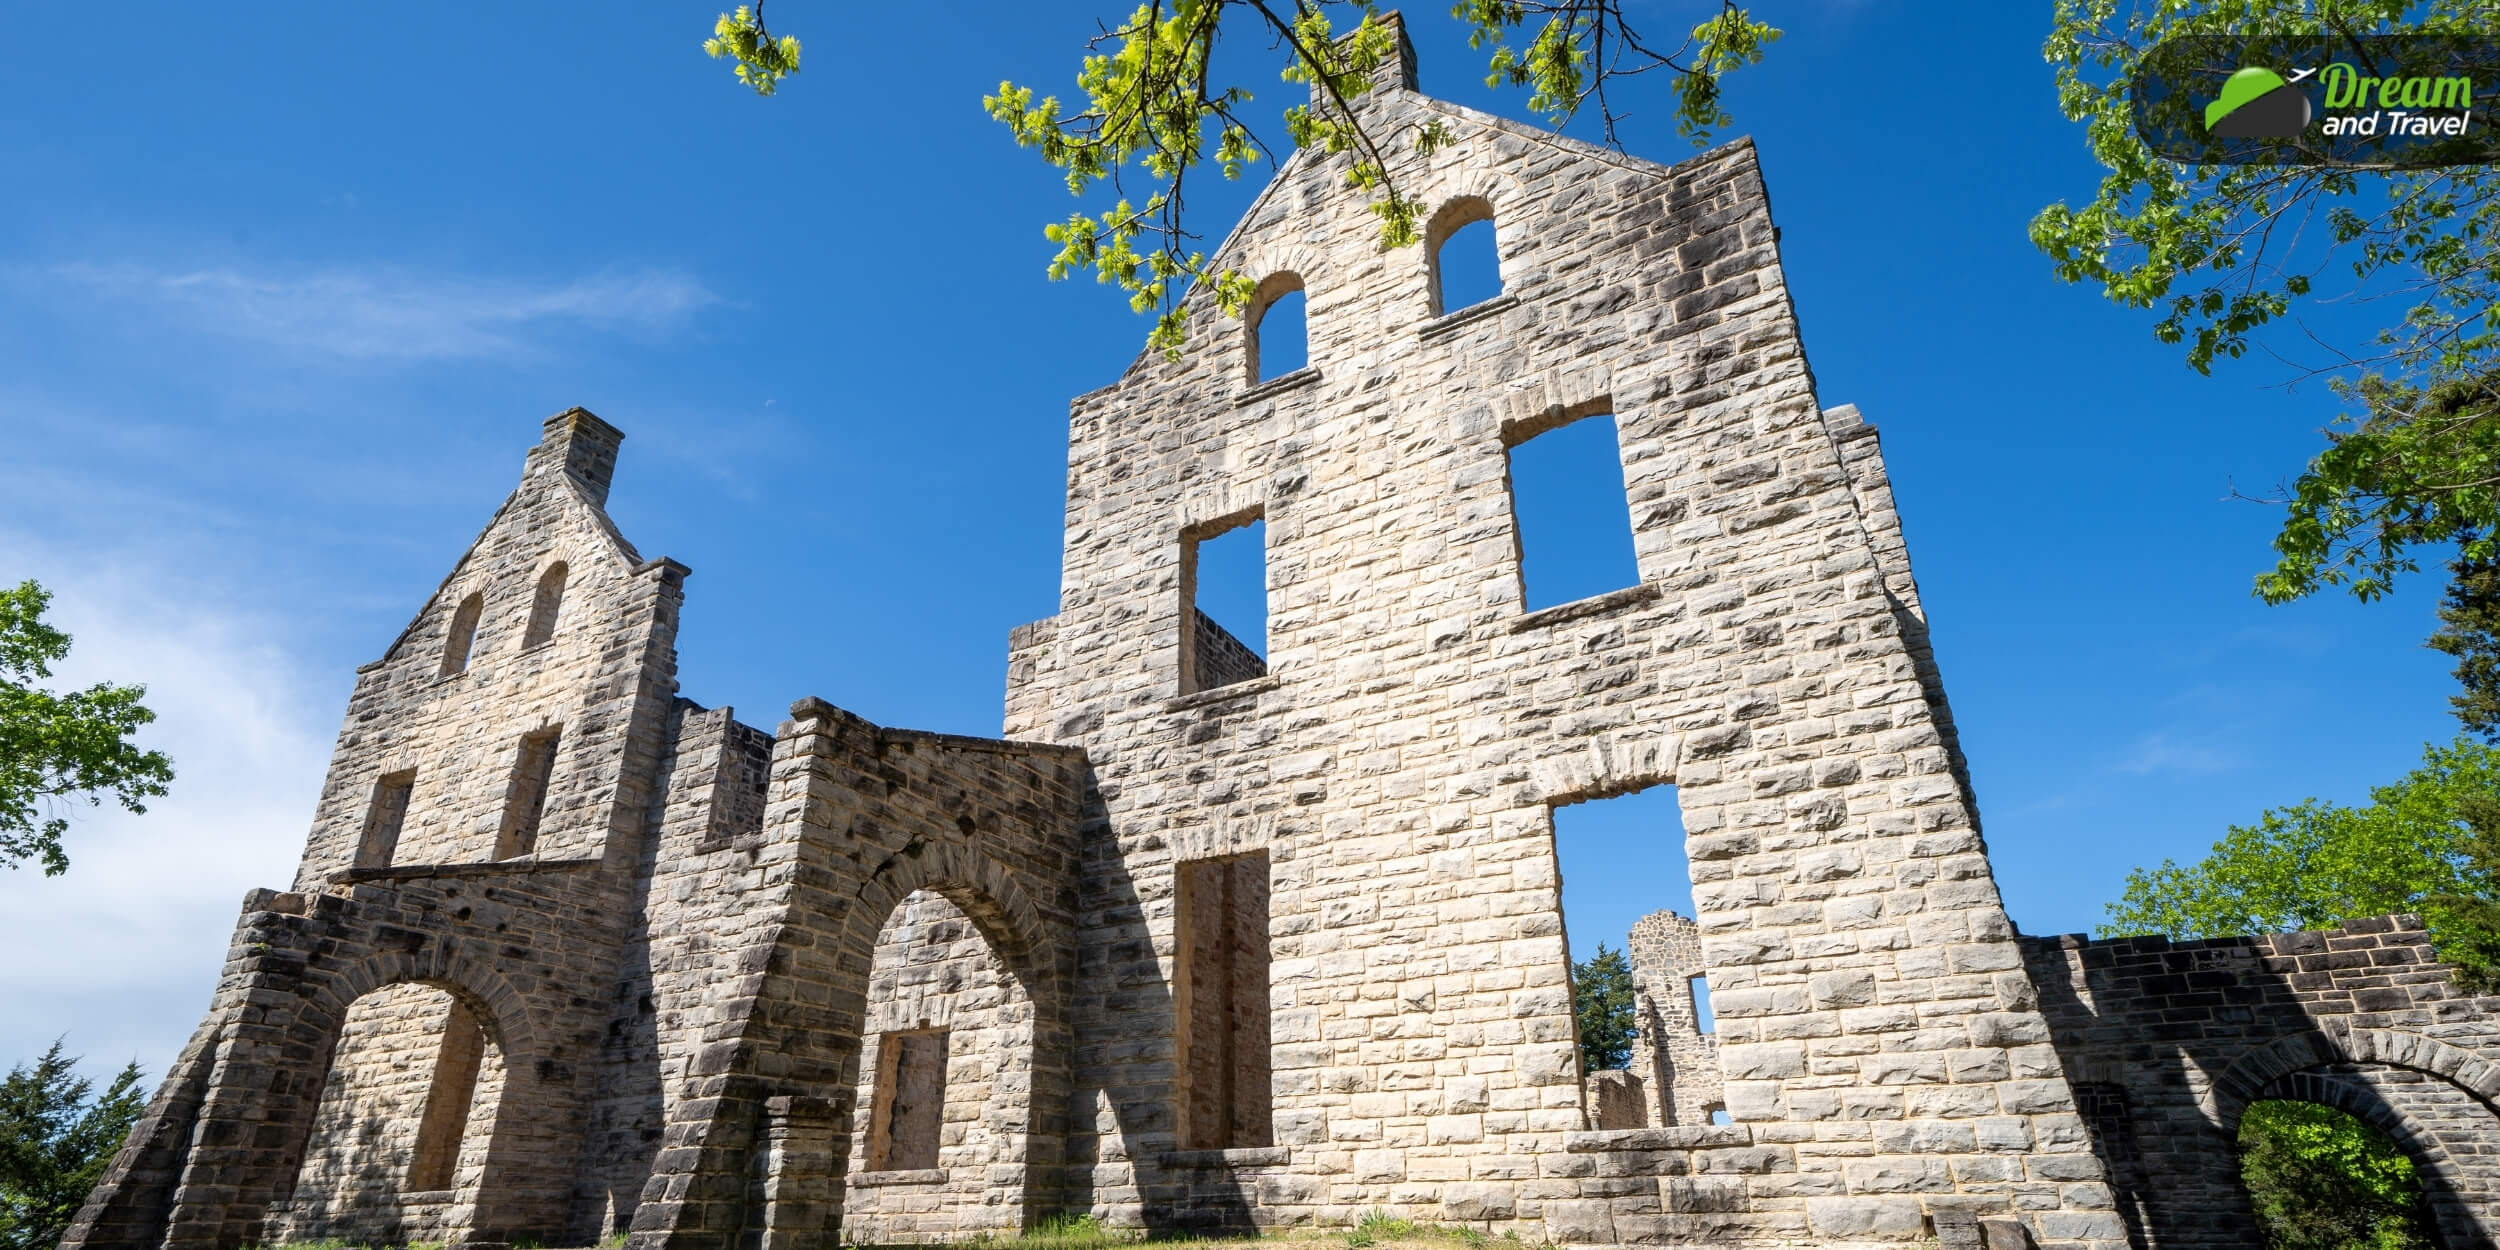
(582, 447)
(1395, 70)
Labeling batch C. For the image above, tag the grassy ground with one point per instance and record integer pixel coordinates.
(1377, 1230)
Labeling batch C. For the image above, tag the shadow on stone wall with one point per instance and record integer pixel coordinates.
(2166, 1044)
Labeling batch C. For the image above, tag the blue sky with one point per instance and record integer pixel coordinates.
(283, 299)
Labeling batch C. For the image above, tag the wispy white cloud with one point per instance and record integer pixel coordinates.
(2165, 752)
(389, 315)
(121, 953)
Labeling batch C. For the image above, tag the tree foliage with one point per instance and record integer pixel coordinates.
(762, 60)
(56, 749)
(2469, 630)
(2323, 1180)
(2427, 843)
(57, 1136)
(1152, 110)
(2223, 252)
(1601, 998)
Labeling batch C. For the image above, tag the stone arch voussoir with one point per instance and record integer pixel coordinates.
(2246, 1079)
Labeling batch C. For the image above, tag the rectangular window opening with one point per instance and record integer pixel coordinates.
(436, 1160)
(1220, 911)
(1224, 594)
(1572, 517)
(526, 804)
(910, 1112)
(385, 816)
(1622, 863)
(1697, 993)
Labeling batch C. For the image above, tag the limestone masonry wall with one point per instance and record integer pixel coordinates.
(2168, 1043)
(1207, 941)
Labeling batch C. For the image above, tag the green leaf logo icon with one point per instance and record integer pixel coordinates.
(2256, 103)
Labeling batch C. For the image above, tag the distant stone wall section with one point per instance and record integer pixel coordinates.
(2167, 1043)
(1223, 659)
(1677, 1063)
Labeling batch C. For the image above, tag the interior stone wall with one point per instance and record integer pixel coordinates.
(354, 1179)
(933, 970)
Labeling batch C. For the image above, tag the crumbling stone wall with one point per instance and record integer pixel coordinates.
(1678, 1064)
(2168, 1043)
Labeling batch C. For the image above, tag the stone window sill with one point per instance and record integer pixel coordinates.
(910, 1176)
(1238, 1157)
(1277, 385)
(1237, 690)
(1680, 1137)
(1471, 314)
(415, 1196)
(1577, 609)
(491, 868)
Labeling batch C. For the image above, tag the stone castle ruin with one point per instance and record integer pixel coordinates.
(1209, 941)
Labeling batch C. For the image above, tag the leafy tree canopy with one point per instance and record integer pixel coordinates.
(1601, 997)
(2322, 1180)
(2427, 843)
(57, 1136)
(1153, 110)
(2222, 252)
(58, 748)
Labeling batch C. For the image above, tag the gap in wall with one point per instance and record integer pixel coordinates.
(1575, 524)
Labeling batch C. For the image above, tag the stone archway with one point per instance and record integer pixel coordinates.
(2438, 1124)
(397, 1148)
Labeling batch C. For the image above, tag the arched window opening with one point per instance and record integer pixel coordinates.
(463, 632)
(2321, 1176)
(1280, 332)
(545, 605)
(525, 804)
(1466, 261)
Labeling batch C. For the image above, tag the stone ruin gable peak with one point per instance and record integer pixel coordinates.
(586, 518)
(1383, 106)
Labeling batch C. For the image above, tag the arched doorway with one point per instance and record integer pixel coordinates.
(944, 1106)
(398, 1144)
(2363, 1115)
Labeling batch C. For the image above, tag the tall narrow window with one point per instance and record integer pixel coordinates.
(1574, 521)
(1466, 262)
(910, 1111)
(1224, 603)
(1220, 909)
(526, 803)
(384, 816)
(1697, 989)
(1280, 331)
(446, 1117)
(544, 605)
(463, 632)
